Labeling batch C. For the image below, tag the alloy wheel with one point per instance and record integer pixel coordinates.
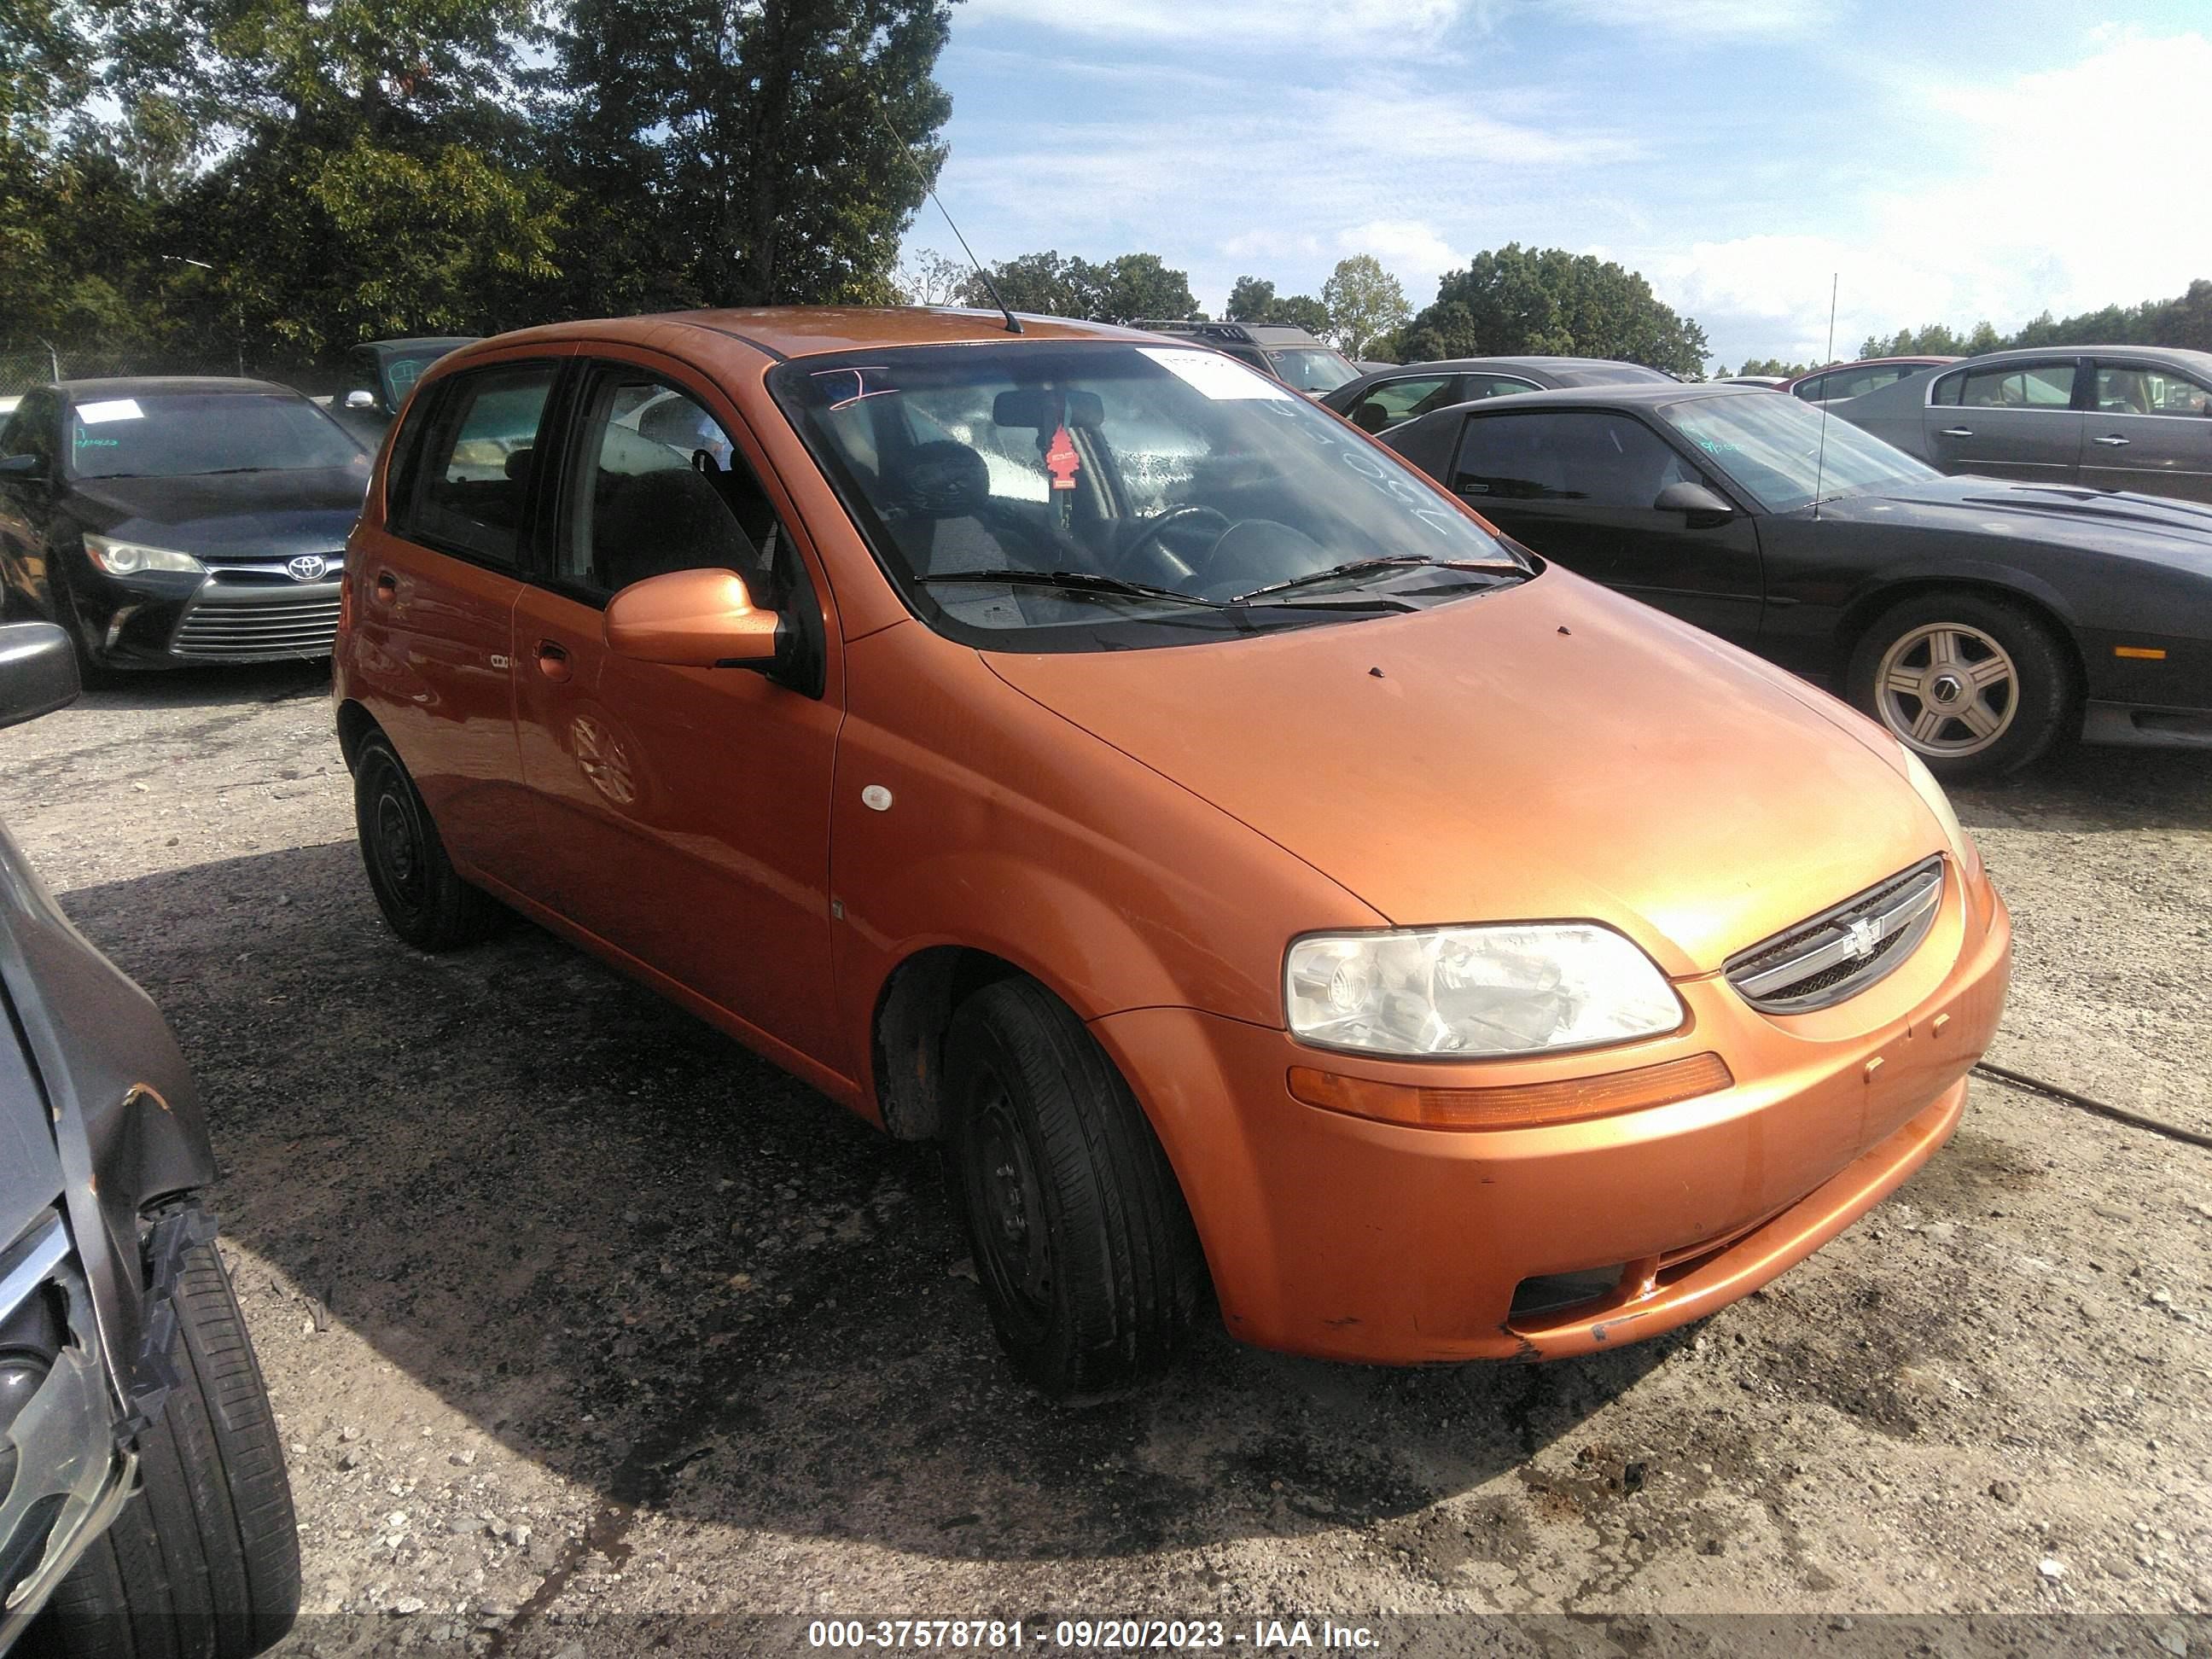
(1947, 689)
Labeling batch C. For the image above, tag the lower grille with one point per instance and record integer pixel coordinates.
(1841, 951)
(306, 628)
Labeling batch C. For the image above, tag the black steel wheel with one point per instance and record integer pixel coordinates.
(423, 897)
(1083, 1247)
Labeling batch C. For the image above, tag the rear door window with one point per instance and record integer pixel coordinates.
(472, 484)
(2010, 386)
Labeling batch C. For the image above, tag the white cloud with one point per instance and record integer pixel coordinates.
(1411, 249)
(2069, 196)
(1704, 21)
(1380, 25)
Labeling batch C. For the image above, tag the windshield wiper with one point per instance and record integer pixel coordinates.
(1360, 567)
(224, 472)
(1080, 581)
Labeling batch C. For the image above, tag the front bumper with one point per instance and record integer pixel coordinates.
(1345, 1238)
(163, 619)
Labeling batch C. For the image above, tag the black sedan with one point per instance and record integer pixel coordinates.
(171, 520)
(2112, 417)
(1378, 401)
(1980, 620)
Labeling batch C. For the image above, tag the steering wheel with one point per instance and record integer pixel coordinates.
(1190, 516)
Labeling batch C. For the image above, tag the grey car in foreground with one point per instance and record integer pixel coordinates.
(1377, 402)
(144, 1507)
(2105, 418)
(1980, 620)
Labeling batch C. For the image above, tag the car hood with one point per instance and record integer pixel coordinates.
(1552, 750)
(2177, 532)
(243, 514)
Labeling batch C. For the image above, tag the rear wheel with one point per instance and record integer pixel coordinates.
(421, 896)
(1972, 683)
(204, 1559)
(1082, 1243)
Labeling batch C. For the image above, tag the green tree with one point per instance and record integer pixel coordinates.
(346, 170)
(1251, 300)
(744, 152)
(930, 278)
(1363, 303)
(1119, 290)
(1773, 366)
(1552, 303)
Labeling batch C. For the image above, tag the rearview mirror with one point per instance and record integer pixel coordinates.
(692, 619)
(38, 671)
(1699, 503)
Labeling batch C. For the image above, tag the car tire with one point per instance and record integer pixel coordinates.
(205, 1558)
(1085, 1250)
(1937, 667)
(423, 897)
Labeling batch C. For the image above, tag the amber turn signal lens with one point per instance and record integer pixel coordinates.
(1513, 1106)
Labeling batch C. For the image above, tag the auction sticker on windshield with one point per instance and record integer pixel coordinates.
(115, 408)
(1222, 379)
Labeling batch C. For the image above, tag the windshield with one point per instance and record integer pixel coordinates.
(173, 434)
(1313, 370)
(1081, 495)
(1787, 454)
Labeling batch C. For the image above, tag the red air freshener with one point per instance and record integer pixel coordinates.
(1061, 460)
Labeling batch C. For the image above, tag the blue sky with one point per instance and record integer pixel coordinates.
(1949, 161)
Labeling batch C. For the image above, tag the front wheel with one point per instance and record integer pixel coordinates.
(1972, 683)
(203, 1560)
(1082, 1243)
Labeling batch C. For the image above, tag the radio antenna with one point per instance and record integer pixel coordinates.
(1821, 465)
(883, 114)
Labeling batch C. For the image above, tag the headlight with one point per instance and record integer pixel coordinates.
(1512, 989)
(1931, 793)
(129, 558)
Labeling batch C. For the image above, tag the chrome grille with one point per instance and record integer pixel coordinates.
(234, 632)
(1842, 951)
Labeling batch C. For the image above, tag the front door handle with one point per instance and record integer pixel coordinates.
(553, 660)
(387, 587)
(1958, 431)
(2114, 442)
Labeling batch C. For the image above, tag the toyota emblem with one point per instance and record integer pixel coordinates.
(308, 567)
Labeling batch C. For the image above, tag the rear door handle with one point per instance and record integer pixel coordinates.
(2110, 443)
(553, 660)
(1958, 431)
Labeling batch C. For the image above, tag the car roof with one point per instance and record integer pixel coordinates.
(156, 386)
(787, 332)
(2179, 355)
(419, 341)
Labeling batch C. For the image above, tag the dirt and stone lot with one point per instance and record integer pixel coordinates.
(582, 1321)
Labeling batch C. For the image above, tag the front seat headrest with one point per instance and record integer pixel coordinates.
(940, 480)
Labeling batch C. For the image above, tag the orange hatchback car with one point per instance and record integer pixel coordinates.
(1267, 880)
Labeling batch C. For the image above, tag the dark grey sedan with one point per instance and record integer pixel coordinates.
(2109, 417)
(1377, 402)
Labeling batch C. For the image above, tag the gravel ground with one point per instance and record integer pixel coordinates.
(580, 1321)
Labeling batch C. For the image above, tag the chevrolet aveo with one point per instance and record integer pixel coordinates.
(1268, 882)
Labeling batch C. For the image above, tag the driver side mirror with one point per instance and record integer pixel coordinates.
(693, 619)
(1698, 504)
(38, 670)
(359, 398)
(22, 466)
